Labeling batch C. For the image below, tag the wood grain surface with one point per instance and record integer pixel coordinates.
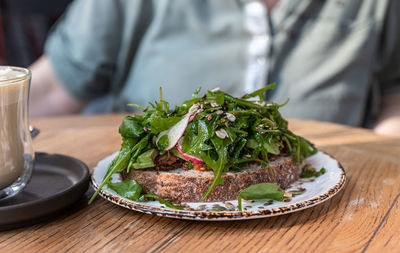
(363, 217)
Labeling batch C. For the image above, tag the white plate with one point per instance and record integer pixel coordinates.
(317, 191)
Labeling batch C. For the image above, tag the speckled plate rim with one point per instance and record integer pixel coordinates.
(286, 208)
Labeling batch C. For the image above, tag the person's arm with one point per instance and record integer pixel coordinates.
(81, 54)
(47, 94)
(389, 119)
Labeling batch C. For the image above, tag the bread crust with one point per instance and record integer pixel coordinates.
(189, 186)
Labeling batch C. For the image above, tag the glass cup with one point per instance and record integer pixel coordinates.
(16, 152)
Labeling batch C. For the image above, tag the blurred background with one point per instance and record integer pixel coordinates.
(336, 60)
(24, 25)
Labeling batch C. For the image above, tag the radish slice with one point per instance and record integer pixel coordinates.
(177, 130)
(191, 158)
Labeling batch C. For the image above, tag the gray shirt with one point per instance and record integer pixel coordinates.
(334, 59)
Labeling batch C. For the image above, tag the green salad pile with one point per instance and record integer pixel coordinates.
(218, 130)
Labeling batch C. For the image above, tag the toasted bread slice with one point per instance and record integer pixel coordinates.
(180, 185)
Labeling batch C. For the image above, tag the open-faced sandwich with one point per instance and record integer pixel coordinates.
(210, 148)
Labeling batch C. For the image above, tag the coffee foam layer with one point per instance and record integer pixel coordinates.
(9, 73)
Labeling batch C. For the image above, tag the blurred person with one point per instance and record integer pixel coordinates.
(337, 61)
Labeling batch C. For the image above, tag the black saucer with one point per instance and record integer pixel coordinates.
(57, 182)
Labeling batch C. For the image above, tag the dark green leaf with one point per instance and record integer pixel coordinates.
(137, 150)
(261, 191)
(217, 96)
(121, 160)
(145, 160)
(158, 124)
(131, 127)
(195, 143)
(306, 148)
(260, 92)
(119, 165)
(129, 189)
(252, 143)
(218, 166)
(271, 145)
(240, 144)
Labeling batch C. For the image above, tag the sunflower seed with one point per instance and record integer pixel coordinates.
(221, 133)
(229, 206)
(287, 195)
(270, 202)
(200, 208)
(305, 180)
(217, 208)
(285, 199)
(230, 117)
(295, 193)
(295, 185)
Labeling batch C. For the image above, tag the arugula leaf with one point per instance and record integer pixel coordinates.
(221, 147)
(248, 104)
(118, 166)
(159, 123)
(217, 96)
(242, 121)
(260, 191)
(260, 92)
(132, 190)
(240, 144)
(122, 159)
(194, 144)
(131, 127)
(145, 160)
(138, 149)
(129, 189)
(252, 143)
(138, 106)
(306, 148)
(271, 146)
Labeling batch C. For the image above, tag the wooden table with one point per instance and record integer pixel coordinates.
(363, 217)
